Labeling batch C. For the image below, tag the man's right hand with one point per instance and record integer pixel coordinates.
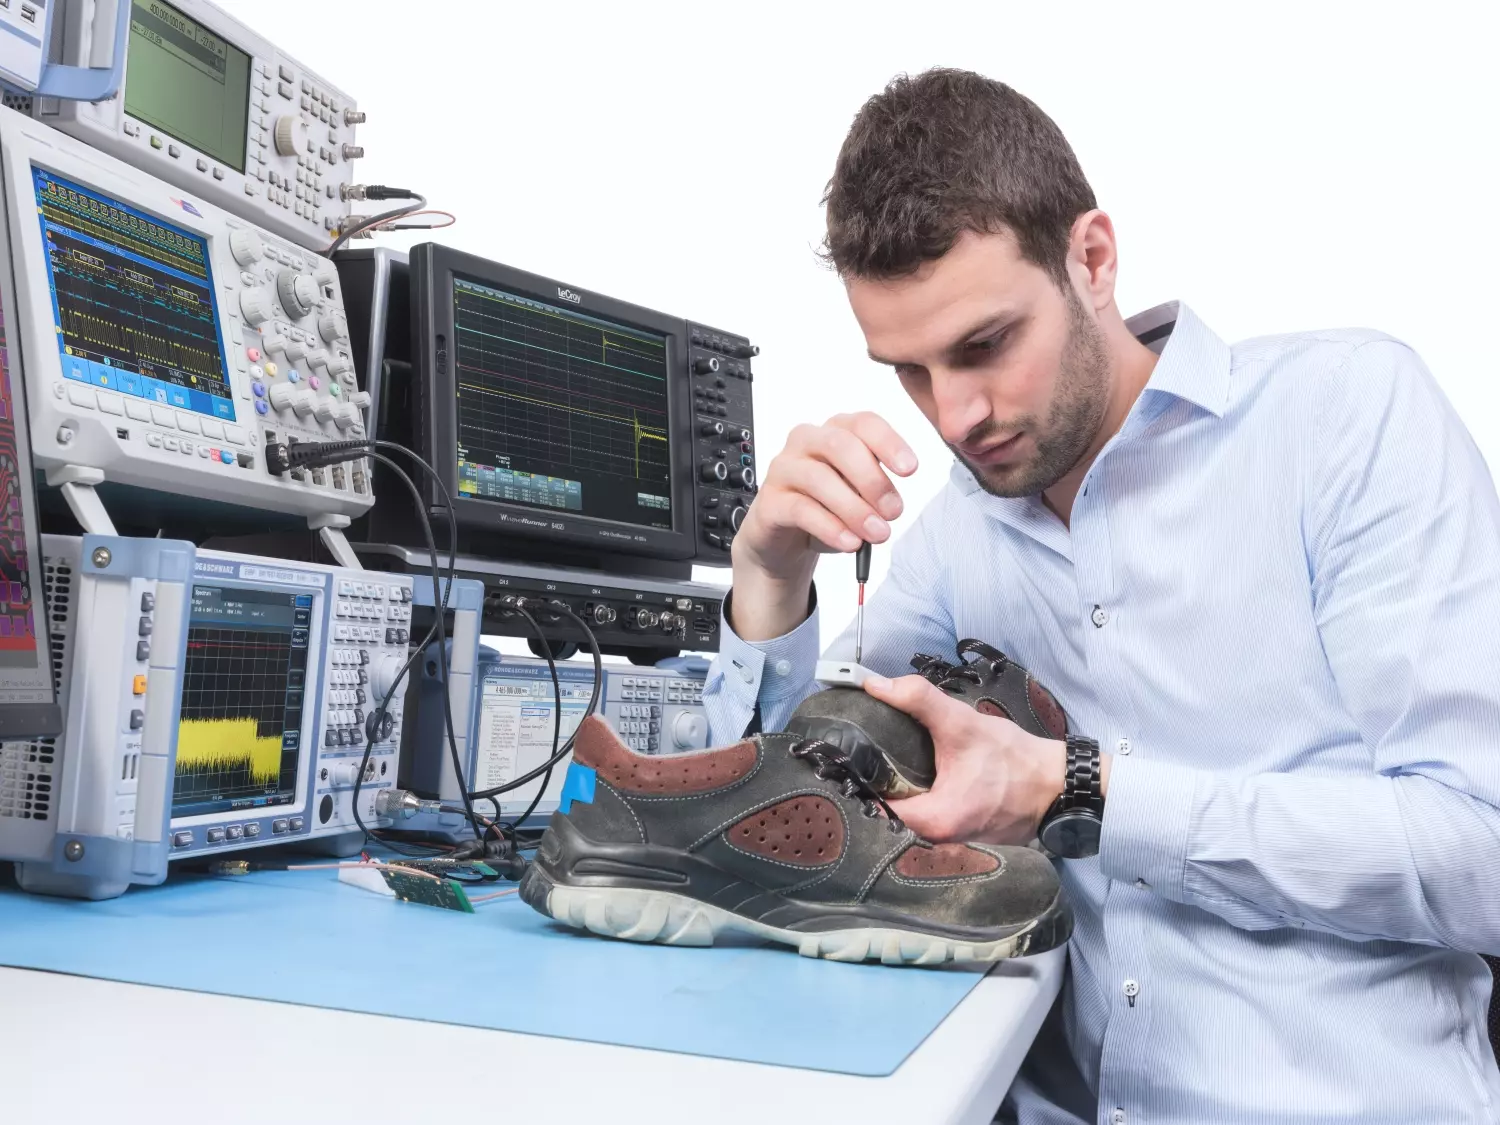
(826, 491)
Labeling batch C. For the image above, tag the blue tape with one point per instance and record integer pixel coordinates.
(578, 785)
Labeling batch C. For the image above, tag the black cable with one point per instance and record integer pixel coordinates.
(437, 631)
(594, 700)
(418, 202)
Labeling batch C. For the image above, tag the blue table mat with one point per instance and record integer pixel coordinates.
(305, 938)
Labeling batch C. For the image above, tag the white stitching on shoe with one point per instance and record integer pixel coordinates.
(639, 827)
(901, 843)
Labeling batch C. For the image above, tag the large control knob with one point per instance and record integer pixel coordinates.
(737, 517)
(290, 136)
(281, 396)
(332, 326)
(714, 471)
(360, 399)
(325, 271)
(303, 402)
(255, 306)
(346, 416)
(246, 247)
(712, 429)
(297, 291)
(689, 731)
(746, 478)
(325, 410)
(295, 350)
(342, 775)
(383, 675)
(705, 365)
(339, 364)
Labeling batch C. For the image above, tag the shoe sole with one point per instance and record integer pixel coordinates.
(666, 918)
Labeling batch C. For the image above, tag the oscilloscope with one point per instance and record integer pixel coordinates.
(565, 421)
(221, 701)
(219, 111)
(653, 710)
(166, 342)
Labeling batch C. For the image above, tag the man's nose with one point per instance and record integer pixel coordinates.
(961, 405)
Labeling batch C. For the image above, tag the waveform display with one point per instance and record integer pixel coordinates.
(132, 293)
(228, 748)
(550, 395)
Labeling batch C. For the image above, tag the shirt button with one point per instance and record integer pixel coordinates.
(1117, 1117)
(1123, 746)
(1131, 989)
(783, 667)
(746, 675)
(1099, 617)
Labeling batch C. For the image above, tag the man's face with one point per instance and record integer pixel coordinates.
(1010, 370)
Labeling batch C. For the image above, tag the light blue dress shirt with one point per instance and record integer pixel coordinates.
(1278, 605)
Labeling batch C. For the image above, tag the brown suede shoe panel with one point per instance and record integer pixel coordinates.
(988, 706)
(804, 832)
(1046, 708)
(599, 747)
(944, 861)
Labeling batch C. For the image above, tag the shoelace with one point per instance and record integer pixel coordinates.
(831, 764)
(947, 675)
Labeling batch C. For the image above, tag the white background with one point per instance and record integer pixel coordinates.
(1277, 166)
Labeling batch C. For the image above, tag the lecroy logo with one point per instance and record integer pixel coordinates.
(569, 295)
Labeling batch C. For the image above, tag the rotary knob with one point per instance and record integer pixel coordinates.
(705, 365)
(281, 396)
(303, 402)
(360, 399)
(255, 306)
(246, 247)
(339, 364)
(325, 411)
(294, 350)
(712, 429)
(746, 477)
(332, 326)
(343, 775)
(289, 135)
(714, 471)
(346, 416)
(737, 517)
(689, 731)
(297, 291)
(325, 271)
(383, 675)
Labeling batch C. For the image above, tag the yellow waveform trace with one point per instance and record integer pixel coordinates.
(228, 746)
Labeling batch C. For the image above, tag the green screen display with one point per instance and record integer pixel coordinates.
(183, 79)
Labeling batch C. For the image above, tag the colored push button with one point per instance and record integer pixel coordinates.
(226, 456)
(260, 406)
(138, 685)
(314, 382)
(293, 375)
(252, 354)
(259, 389)
(270, 369)
(333, 389)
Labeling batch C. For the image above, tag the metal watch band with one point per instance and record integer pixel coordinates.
(1081, 781)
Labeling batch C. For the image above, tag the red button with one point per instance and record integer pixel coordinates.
(252, 354)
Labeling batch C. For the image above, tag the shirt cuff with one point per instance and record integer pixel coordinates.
(1147, 821)
(773, 670)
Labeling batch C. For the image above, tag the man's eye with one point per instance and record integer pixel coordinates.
(983, 347)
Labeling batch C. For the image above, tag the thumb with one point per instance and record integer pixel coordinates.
(923, 815)
(912, 694)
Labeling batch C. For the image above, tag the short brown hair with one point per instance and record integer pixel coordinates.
(946, 152)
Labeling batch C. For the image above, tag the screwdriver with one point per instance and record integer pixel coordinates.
(861, 575)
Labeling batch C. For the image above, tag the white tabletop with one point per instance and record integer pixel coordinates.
(75, 1049)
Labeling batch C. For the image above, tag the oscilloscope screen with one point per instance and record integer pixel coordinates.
(560, 410)
(133, 300)
(240, 736)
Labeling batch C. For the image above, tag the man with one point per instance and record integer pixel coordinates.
(1265, 577)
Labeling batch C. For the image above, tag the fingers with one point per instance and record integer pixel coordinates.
(917, 697)
(925, 815)
(881, 439)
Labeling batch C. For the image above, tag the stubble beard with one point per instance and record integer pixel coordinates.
(1073, 421)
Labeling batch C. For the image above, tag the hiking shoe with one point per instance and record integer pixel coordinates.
(776, 837)
(892, 751)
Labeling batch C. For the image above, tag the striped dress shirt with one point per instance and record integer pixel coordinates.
(1278, 605)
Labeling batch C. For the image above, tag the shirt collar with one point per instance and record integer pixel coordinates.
(1193, 362)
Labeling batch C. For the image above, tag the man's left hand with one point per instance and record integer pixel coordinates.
(994, 780)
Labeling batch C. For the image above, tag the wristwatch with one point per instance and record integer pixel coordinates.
(1070, 828)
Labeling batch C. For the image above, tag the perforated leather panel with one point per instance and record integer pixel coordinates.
(944, 861)
(598, 746)
(804, 831)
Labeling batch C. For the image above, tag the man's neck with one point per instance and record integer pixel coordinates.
(1131, 364)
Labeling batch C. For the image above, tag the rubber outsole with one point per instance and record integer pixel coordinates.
(667, 918)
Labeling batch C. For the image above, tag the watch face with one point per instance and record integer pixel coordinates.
(1072, 834)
